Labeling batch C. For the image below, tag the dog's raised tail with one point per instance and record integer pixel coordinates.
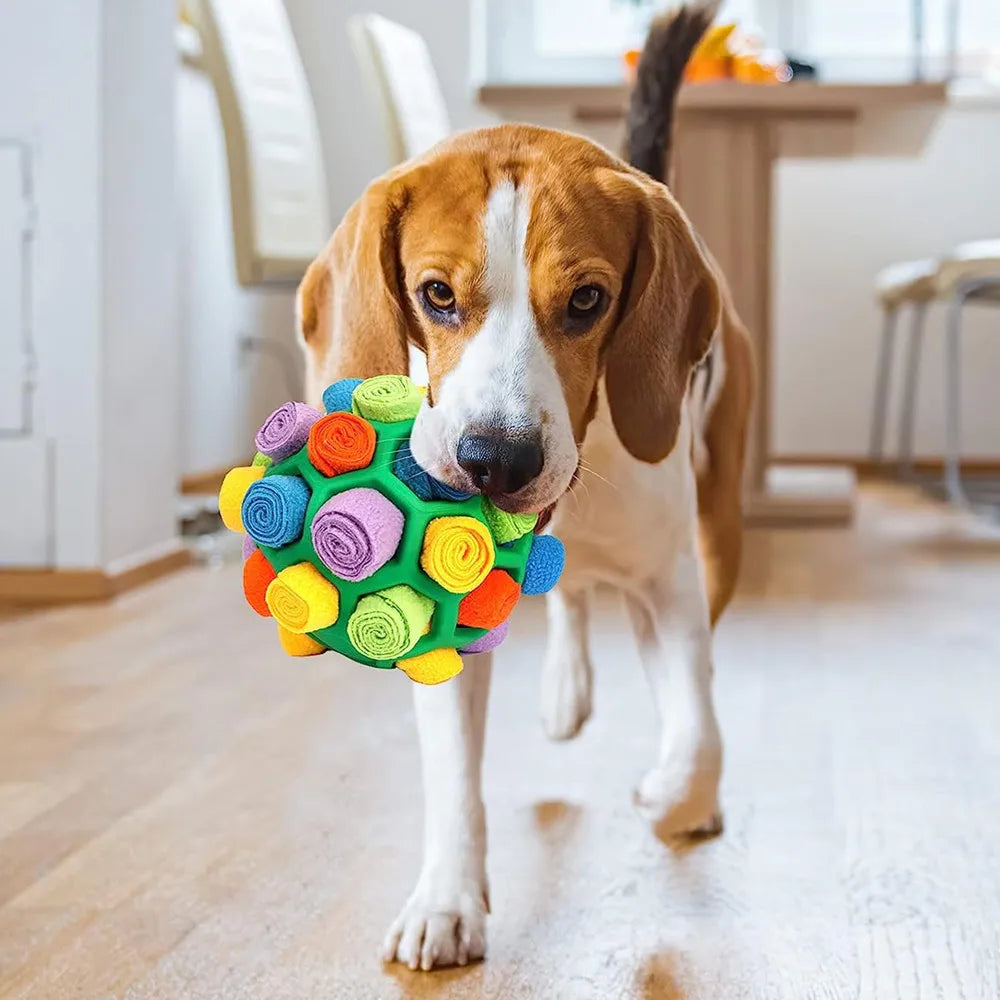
(672, 37)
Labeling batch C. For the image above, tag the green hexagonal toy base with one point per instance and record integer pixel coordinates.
(404, 566)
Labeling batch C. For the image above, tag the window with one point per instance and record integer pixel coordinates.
(582, 40)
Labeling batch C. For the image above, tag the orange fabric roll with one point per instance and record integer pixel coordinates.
(257, 576)
(341, 442)
(491, 602)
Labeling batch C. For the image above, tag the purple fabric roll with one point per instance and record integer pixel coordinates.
(286, 430)
(490, 641)
(249, 547)
(356, 533)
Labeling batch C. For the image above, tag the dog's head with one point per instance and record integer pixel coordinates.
(525, 263)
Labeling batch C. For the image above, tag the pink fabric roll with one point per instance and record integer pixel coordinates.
(356, 533)
(490, 641)
(286, 430)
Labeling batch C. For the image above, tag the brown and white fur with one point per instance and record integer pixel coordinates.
(649, 391)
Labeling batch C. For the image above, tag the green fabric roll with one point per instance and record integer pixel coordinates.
(387, 398)
(507, 527)
(388, 624)
(262, 461)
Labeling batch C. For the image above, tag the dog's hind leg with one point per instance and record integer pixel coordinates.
(567, 674)
(444, 920)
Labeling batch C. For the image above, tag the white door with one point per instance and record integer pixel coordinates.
(24, 507)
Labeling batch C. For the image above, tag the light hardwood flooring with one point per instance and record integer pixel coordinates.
(186, 814)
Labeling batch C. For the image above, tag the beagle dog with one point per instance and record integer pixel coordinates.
(575, 331)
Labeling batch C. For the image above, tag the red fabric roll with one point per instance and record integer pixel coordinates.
(257, 574)
(491, 602)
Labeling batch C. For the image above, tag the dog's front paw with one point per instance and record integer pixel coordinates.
(566, 693)
(439, 926)
(680, 799)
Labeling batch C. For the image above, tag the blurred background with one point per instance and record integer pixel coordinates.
(139, 168)
(173, 794)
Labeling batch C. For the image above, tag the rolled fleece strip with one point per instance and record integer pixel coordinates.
(387, 398)
(491, 602)
(249, 547)
(337, 397)
(262, 460)
(302, 599)
(257, 577)
(457, 552)
(432, 668)
(507, 527)
(231, 494)
(387, 624)
(341, 442)
(406, 470)
(487, 643)
(442, 491)
(355, 533)
(299, 645)
(274, 510)
(286, 430)
(545, 564)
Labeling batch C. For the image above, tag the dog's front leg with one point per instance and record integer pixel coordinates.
(679, 794)
(444, 920)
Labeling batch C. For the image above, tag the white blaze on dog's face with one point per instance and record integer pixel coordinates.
(499, 420)
(525, 263)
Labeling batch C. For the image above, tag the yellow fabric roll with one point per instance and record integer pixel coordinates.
(299, 645)
(432, 668)
(234, 489)
(458, 553)
(302, 600)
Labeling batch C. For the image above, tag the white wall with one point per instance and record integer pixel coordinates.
(139, 371)
(226, 392)
(837, 223)
(88, 84)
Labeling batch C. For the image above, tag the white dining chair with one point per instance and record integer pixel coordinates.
(397, 69)
(969, 274)
(277, 181)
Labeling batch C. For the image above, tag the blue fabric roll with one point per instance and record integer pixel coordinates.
(442, 491)
(274, 510)
(545, 565)
(338, 396)
(406, 470)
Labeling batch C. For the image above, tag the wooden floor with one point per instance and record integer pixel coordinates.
(187, 815)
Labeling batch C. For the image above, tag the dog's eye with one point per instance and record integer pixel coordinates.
(585, 301)
(439, 296)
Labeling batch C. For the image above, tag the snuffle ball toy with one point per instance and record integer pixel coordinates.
(350, 545)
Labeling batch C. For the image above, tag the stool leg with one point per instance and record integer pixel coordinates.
(911, 378)
(953, 401)
(883, 374)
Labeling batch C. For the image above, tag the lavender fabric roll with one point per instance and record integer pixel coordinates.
(286, 430)
(356, 533)
(249, 547)
(490, 641)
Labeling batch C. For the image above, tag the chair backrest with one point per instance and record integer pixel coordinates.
(397, 69)
(277, 183)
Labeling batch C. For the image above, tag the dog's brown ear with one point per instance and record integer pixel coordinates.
(350, 303)
(669, 315)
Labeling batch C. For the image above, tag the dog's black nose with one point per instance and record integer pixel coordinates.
(499, 465)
